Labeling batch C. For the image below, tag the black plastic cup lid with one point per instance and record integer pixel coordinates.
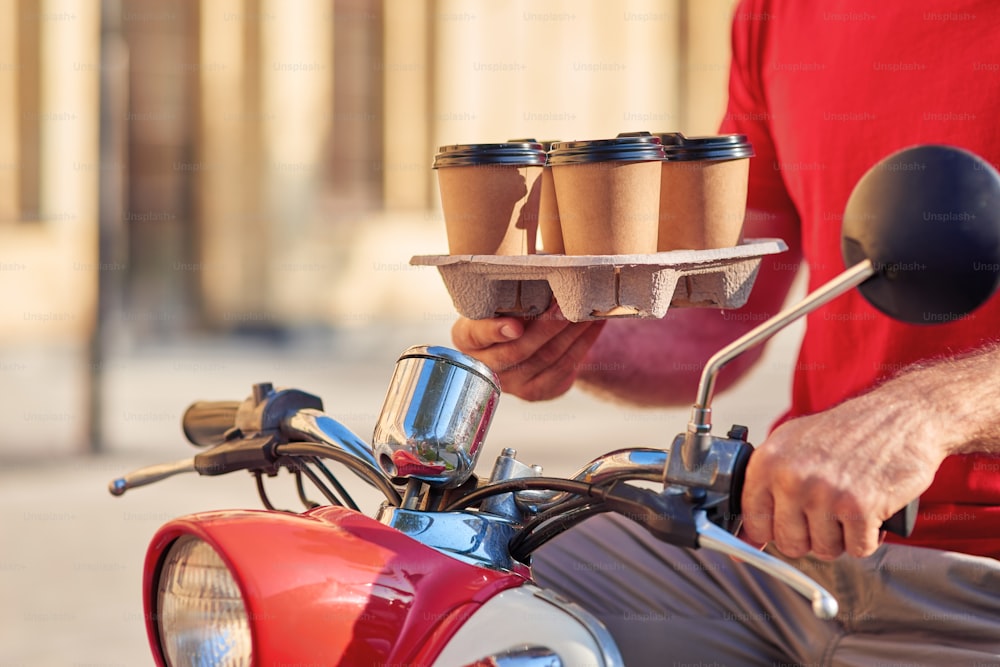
(679, 148)
(545, 143)
(523, 153)
(626, 147)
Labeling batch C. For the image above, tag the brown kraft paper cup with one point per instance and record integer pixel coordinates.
(490, 209)
(549, 227)
(608, 208)
(702, 204)
(703, 191)
(608, 191)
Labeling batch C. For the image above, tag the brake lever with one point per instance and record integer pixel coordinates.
(713, 538)
(150, 474)
(671, 518)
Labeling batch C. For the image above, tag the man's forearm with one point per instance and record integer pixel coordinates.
(658, 363)
(824, 482)
(960, 393)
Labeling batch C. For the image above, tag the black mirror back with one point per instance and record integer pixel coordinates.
(928, 217)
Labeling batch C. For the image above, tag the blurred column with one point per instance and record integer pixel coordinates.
(481, 63)
(10, 182)
(650, 82)
(112, 230)
(353, 151)
(161, 123)
(69, 124)
(232, 232)
(705, 64)
(28, 72)
(407, 81)
(66, 273)
(553, 69)
(296, 93)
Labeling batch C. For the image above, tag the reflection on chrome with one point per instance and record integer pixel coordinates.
(310, 424)
(640, 463)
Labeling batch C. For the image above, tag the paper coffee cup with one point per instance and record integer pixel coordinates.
(703, 191)
(489, 196)
(549, 226)
(608, 194)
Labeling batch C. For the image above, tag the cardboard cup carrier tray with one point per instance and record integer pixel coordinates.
(590, 287)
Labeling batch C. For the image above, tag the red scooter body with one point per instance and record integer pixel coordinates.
(332, 586)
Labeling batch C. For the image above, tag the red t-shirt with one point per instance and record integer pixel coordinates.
(825, 90)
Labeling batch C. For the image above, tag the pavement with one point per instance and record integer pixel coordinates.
(71, 554)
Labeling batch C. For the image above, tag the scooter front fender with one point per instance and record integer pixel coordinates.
(332, 586)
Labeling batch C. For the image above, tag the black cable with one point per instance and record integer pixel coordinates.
(551, 522)
(521, 484)
(338, 487)
(524, 544)
(262, 492)
(356, 465)
(570, 512)
(310, 504)
(331, 498)
(539, 520)
(558, 510)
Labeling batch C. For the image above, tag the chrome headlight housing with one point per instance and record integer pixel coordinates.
(201, 617)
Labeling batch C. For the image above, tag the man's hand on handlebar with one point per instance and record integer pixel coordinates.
(536, 358)
(823, 483)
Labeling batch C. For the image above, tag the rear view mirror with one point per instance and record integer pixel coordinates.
(928, 219)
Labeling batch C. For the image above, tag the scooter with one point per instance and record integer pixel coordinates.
(440, 575)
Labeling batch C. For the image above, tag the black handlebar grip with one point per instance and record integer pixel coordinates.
(205, 423)
(902, 522)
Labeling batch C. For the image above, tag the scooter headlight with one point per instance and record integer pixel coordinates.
(201, 617)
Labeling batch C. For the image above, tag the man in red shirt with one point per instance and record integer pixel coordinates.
(882, 412)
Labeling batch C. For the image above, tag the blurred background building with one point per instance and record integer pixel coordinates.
(261, 168)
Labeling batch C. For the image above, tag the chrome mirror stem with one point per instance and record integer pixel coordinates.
(697, 442)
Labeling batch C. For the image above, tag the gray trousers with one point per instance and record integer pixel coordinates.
(671, 607)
